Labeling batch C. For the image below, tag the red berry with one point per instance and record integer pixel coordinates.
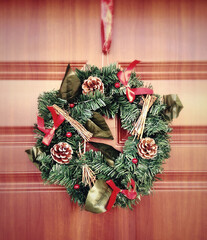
(71, 105)
(117, 85)
(76, 186)
(134, 160)
(69, 134)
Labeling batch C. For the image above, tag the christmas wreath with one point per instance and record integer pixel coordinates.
(100, 178)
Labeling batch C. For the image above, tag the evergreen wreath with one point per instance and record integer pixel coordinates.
(98, 179)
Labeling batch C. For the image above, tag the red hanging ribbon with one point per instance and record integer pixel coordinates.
(49, 133)
(107, 7)
(130, 194)
(124, 79)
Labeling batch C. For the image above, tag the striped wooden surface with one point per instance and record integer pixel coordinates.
(37, 41)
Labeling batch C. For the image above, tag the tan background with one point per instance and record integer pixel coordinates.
(70, 30)
(37, 40)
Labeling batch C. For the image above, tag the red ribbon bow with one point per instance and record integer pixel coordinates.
(49, 133)
(130, 194)
(124, 79)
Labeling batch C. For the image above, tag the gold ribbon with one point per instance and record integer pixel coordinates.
(98, 197)
(173, 106)
(70, 86)
(33, 153)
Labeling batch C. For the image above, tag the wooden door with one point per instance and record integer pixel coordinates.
(37, 40)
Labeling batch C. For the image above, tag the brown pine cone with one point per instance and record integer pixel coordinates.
(61, 152)
(147, 148)
(91, 84)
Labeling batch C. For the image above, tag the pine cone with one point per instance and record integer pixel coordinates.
(61, 152)
(91, 84)
(147, 148)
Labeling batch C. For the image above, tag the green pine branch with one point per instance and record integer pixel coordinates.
(111, 103)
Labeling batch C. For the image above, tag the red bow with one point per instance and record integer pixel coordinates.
(49, 133)
(130, 194)
(124, 79)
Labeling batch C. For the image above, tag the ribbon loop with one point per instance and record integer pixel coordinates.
(49, 133)
(112, 199)
(124, 79)
(130, 194)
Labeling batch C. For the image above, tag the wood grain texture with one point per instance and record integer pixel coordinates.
(185, 172)
(51, 215)
(44, 71)
(37, 40)
(12, 182)
(187, 79)
(194, 135)
(149, 71)
(150, 30)
(186, 143)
